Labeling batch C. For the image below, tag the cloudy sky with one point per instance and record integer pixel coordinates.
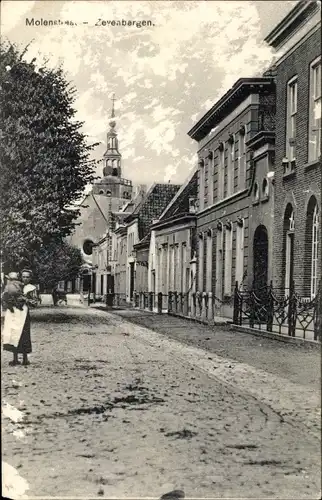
(165, 76)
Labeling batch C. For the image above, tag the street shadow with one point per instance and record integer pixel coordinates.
(173, 495)
(58, 318)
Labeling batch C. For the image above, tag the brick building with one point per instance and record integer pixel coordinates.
(297, 66)
(170, 246)
(240, 125)
(138, 225)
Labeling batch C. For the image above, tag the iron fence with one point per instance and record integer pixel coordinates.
(268, 309)
(278, 311)
(198, 305)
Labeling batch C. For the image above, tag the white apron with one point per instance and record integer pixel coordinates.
(13, 326)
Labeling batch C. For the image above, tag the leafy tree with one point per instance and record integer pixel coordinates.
(44, 157)
(56, 262)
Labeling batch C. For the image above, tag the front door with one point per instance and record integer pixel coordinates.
(289, 264)
(86, 282)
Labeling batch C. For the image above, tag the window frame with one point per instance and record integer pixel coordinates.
(291, 119)
(211, 169)
(240, 246)
(241, 160)
(201, 186)
(314, 146)
(221, 174)
(228, 262)
(230, 168)
(315, 252)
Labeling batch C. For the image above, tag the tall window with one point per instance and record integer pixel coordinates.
(241, 161)
(315, 242)
(201, 263)
(230, 167)
(219, 262)
(289, 228)
(176, 268)
(291, 119)
(201, 185)
(228, 260)
(211, 178)
(239, 272)
(209, 263)
(171, 274)
(183, 267)
(221, 173)
(315, 111)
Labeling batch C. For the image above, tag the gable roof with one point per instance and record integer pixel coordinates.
(152, 205)
(189, 186)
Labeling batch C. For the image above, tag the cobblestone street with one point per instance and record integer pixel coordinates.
(112, 408)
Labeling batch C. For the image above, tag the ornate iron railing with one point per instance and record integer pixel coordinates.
(201, 306)
(278, 311)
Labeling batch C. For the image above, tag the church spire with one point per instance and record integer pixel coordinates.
(112, 156)
(113, 106)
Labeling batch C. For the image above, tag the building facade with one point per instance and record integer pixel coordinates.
(226, 183)
(172, 244)
(297, 237)
(138, 227)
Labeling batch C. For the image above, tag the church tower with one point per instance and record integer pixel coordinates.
(112, 157)
(112, 183)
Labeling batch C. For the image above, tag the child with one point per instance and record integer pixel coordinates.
(13, 292)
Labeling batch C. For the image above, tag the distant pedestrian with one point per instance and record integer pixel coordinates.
(16, 331)
(55, 295)
(58, 296)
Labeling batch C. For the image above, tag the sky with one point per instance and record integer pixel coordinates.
(164, 76)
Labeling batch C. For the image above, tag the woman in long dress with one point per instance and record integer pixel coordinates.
(16, 331)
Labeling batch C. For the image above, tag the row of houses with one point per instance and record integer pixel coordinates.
(249, 211)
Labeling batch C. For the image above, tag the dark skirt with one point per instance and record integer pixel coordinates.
(24, 346)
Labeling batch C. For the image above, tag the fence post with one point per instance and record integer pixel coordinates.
(200, 299)
(151, 301)
(160, 300)
(236, 305)
(198, 309)
(185, 304)
(270, 308)
(252, 309)
(210, 309)
(193, 304)
(204, 307)
(175, 302)
(169, 302)
(291, 313)
(180, 302)
(318, 314)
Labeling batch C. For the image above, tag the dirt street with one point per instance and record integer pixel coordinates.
(110, 408)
